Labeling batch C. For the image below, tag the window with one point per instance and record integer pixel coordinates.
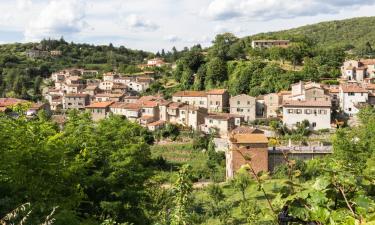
(193, 112)
(307, 111)
(314, 124)
(217, 103)
(238, 102)
(143, 110)
(182, 112)
(201, 103)
(238, 109)
(248, 102)
(290, 111)
(299, 111)
(351, 94)
(211, 121)
(350, 109)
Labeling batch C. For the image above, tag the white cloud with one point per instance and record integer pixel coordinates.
(276, 9)
(136, 22)
(24, 4)
(172, 38)
(58, 18)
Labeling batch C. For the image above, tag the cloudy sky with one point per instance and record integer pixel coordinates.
(156, 24)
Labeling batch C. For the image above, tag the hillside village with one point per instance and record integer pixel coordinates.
(272, 128)
(229, 118)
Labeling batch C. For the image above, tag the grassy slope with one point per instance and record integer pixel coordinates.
(355, 31)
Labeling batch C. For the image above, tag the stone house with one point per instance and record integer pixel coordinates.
(272, 104)
(245, 146)
(244, 105)
(131, 111)
(223, 123)
(75, 101)
(99, 110)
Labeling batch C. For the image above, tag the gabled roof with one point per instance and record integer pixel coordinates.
(353, 88)
(190, 94)
(76, 95)
(216, 92)
(222, 116)
(246, 130)
(249, 138)
(100, 104)
(308, 103)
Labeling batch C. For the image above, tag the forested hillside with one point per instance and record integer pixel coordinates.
(21, 76)
(349, 33)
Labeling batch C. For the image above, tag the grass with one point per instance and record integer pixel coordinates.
(176, 155)
(234, 197)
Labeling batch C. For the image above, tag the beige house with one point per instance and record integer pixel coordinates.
(131, 111)
(318, 113)
(244, 149)
(99, 110)
(216, 100)
(105, 97)
(270, 43)
(352, 97)
(358, 70)
(75, 101)
(272, 104)
(157, 125)
(308, 91)
(223, 123)
(244, 105)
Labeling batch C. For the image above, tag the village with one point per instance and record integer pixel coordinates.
(229, 118)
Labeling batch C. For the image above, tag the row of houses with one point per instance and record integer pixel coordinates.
(72, 91)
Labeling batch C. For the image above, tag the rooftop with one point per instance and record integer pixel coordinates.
(222, 116)
(353, 88)
(99, 104)
(309, 103)
(216, 92)
(190, 94)
(76, 95)
(249, 138)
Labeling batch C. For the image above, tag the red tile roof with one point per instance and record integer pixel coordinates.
(222, 116)
(100, 104)
(190, 94)
(353, 88)
(76, 95)
(249, 138)
(5, 102)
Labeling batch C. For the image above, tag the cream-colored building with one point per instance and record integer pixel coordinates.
(351, 97)
(75, 101)
(318, 113)
(244, 105)
(358, 70)
(99, 110)
(272, 104)
(223, 123)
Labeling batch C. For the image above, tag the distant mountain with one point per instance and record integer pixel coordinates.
(356, 32)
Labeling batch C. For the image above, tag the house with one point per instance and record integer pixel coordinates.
(216, 100)
(272, 104)
(132, 111)
(75, 101)
(308, 91)
(155, 62)
(318, 113)
(36, 107)
(244, 149)
(351, 97)
(55, 53)
(358, 70)
(99, 110)
(244, 105)
(106, 85)
(110, 76)
(157, 125)
(183, 114)
(131, 99)
(91, 90)
(194, 98)
(106, 97)
(223, 123)
(270, 43)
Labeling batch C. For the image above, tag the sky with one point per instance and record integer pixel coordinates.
(153, 25)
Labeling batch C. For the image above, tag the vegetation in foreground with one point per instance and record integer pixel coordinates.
(105, 173)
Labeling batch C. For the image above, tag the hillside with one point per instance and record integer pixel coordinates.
(355, 32)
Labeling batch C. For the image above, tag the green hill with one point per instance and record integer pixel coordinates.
(349, 32)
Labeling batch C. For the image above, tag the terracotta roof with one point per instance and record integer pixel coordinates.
(76, 95)
(99, 104)
(370, 86)
(190, 94)
(334, 90)
(149, 104)
(222, 116)
(74, 78)
(110, 95)
(310, 103)
(216, 92)
(249, 138)
(156, 123)
(5, 102)
(353, 88)
(131, 97)
(175, 105)
(129, 106)
(91, 87)
(36, 106)
(246, 130)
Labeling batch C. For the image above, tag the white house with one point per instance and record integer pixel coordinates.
(351, 97)
(318, 113)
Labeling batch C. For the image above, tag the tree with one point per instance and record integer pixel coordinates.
(221, 46)
(182, 188)
(216, 72)
(241, 181)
